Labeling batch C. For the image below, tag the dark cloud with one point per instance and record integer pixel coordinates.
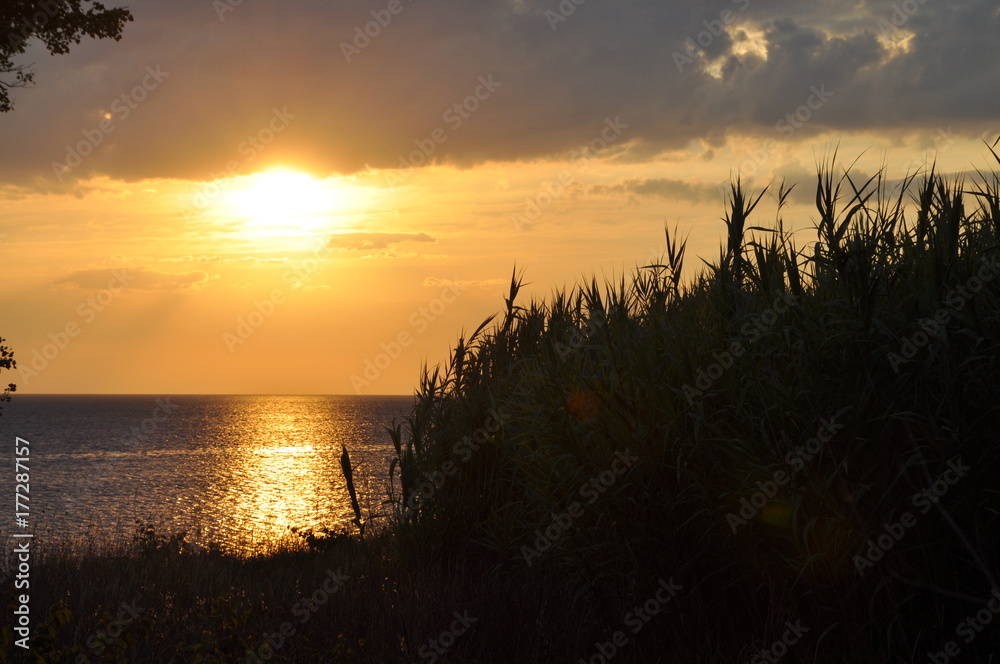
(185, 94)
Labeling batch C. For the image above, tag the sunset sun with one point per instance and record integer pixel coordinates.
(281, 201)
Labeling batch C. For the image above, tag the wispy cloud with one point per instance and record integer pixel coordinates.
(221, 259)
(134, 278)
(370, 241)
(437, 282)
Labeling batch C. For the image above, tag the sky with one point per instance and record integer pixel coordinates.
(308, 197)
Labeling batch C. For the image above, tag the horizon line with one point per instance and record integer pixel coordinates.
(17, 395)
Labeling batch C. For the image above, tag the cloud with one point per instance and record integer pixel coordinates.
(554, 87)
(437, 282)
(386, 254)
(220, 259)
(134, 278)
(369, 241)
(661, 187)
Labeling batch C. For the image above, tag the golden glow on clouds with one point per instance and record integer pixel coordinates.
(896, 43)
(747, 40)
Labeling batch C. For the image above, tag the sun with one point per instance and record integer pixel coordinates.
(281, 201)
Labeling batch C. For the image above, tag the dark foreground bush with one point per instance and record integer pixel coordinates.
(795, 437)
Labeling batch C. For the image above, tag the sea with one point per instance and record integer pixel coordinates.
(241, 472)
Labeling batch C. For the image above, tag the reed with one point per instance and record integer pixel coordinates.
(649, 364)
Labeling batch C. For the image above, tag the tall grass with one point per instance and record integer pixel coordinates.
(608, 367)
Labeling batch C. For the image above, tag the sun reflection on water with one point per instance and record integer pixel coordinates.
(237, 471)
(281, 475)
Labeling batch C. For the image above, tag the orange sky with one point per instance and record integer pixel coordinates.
(227, 205)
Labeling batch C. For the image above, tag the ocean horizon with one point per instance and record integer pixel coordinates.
(240, 471)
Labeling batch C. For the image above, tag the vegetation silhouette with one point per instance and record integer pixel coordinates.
(6, 362)
(58, 24)
(886, 332)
